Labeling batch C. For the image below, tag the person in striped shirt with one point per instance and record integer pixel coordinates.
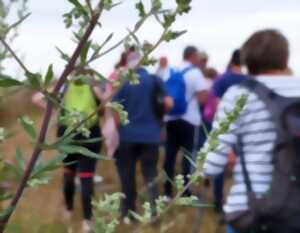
(266, 55)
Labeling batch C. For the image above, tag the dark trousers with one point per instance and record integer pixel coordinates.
(218, 181)
(127, 157)
(180, 135)
(218, 191)
(85, 167)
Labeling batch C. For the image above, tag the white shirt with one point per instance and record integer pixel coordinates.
(164, 73)
(256, 131)
(195, 83)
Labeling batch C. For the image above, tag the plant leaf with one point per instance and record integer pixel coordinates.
(63, 55)
(46, 166)
(79, 7)
(20, 160)
(74, 149)
(28, 125)
(49, 76)
(34, 80)
(7, 211)
(6, 81)
(84, 52)
(5, 197)
(141, 8)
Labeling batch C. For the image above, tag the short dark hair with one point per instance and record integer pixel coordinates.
(264, 51)
(235, 58)
(188, 51)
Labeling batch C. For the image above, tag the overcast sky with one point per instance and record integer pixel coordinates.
(216, 26)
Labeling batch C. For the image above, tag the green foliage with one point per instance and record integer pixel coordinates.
(34, 80)
(8, 9)
(75, 149)
(2, 134)
(28, 126)
(6, 211)
(141, 9)
(49, 76)
(79, 17)
(147, 215)
(179, 183)
(173, 35)
(119, 109)
(6, 81)
(183, 6)
(5, 197)
(107, 212)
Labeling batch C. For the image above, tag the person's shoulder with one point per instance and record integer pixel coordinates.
(236, 91)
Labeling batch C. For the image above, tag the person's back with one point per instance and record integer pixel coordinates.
(257, 133)
(140, 138)
(254, 134)
(144, 126)
(182, 129)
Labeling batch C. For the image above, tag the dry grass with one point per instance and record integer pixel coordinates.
(40, 209)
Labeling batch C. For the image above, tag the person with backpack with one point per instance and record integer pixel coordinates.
(79, 98)
(231, 77)
(140, 138)
(188, 89)
(265, 195)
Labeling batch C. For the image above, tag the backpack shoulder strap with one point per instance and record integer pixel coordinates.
(187, 69)
(240, 152)
(264, 93)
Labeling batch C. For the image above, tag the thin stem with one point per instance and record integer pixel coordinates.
(47, 117)
(14, 55)
(88, 3)
(136, 29)
(170, 205)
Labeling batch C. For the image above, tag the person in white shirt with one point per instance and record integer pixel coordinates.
(182, 130)
(266, 56)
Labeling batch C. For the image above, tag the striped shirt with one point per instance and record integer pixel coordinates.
(256, 130)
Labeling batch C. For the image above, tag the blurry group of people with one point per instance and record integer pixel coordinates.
(185, 103)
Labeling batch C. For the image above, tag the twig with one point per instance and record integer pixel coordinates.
(47, 117)
(170, 205)
(14, 55)
(136, 29)
(88, 3)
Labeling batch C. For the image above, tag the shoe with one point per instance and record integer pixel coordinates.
(67, 215)
(67, 218)
(98, 179)
(86, 226)
(218, 207)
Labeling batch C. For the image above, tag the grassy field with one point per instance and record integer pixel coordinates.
(40, 209)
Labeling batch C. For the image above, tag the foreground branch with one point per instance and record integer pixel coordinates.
(47, 117)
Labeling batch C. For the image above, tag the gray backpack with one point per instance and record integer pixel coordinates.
(279, 209)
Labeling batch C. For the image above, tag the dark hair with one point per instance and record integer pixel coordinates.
(123, 61)
(264, 51)
(188, 51)
(236, 58)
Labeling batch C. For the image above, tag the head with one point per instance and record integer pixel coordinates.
(163, 62)
(81, 74)
(191, 55)
(266, 52)
(235, 65)
(123, 61)
(133, 59)
(203, 60)
(211, 73)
